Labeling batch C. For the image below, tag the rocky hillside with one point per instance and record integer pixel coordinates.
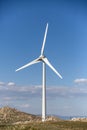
(13, 116)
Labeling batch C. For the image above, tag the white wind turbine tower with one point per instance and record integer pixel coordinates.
(45, 61)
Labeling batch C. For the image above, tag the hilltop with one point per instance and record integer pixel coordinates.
(12, 115)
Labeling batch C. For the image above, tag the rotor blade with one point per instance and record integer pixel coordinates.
(30, 63)
(49, 64)
(44, 40)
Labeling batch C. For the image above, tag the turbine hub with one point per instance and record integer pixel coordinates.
(41, 57)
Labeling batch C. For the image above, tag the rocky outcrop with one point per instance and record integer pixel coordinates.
(83, 119)
(52, 118)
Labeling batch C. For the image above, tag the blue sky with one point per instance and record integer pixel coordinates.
(22, 27)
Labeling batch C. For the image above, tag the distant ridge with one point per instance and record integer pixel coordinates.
(10, 115)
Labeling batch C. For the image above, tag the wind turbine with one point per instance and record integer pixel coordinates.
(42, 58)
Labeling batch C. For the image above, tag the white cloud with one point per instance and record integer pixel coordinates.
(16, 92)
(24, 106)
(2, 84)
(7, 98)
(11, 84)
(80, 81)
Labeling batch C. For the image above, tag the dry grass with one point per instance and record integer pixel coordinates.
(60, 125)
